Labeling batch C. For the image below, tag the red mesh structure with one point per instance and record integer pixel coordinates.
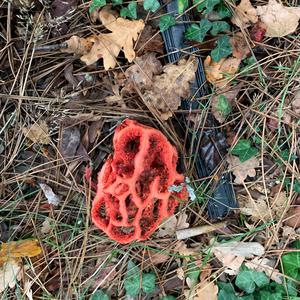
(132, 192)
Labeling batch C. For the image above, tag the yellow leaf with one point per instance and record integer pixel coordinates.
(280, 20)
(9, 274)
(108, 45)
(37, 133)
(18, 249)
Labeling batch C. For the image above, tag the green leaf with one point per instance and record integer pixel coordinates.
(182, 6)
(193, 273)
(223, 48)
(219, 26)
(223, 106)
(165, 22)
(116, 2)
(129, 11)
(132, 279)
(152, 5)
(198, 32)
(168, 298)
(223, 11)
(296, 244)
(99, 295)
(208, 4)
(97, 4)
(244, 150)
(148, 282)
(226, 291)
(291, 264)
(248, 280)
(266, 295)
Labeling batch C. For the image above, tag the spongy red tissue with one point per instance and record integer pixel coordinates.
(132, 192)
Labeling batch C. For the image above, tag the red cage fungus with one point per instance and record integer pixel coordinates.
(132, 192)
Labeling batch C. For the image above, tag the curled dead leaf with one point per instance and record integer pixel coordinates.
(242, 169)
(244, 14)
(280, 20)
(220, 73)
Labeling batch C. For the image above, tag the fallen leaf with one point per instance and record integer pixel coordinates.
(18, 249)
(70, 141)
(49, 194)
(290, 233)
(9, 274)
(296, 103)
(108, 45)
(46, 226)
(205, 272)
(240, 48)
(218, 110)
(220, 73)
(38, 133)
(155, 258)
(116, 98)
(104, 277)
(244, 14)
(292, 218)
(233, 254)
(141, 74)
(183, 250)
(170, 87)
(206, 290)
(149, 41)
(242, 169)
(172, 224)
(278, 204)
(258, 31)
(280, 20)
(265, 265)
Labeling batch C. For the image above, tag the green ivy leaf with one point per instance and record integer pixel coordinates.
(219, 26)
(266, 295)
(223, 11)
(129, 11)
(223, 106)
(247, 280)
(148, 282)
(198, 32)
(182, 5)
(165, 22)
(291, 264)
(132, 279)
(152, 5)
(223, 48)
(226, 291)
(97, 4)
(99, 295)
(116, 2)
(207, 4)
(244, 150)
(168, 298)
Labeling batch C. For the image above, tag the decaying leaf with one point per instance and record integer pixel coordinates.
(9, 274)
(242, 169)
(69, 142)
(183, 250)
(108, 45)
(219, 73)
(18, 249)
(141, 74)
(154, 258)
(229, 94)
(280, 20)
(104, 277)
(240, 48)
(49, 194)
(46, 226)
(172, 224)
(37, 133)
(116, 98)
(244, 14)
(168, 88)
(206, 290)
(292, 218)
(265, 265)
(233, 254)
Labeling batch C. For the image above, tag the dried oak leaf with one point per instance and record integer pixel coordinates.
(244, 14)
(37, 133)
(108, 45)
(141, 74)
(240, 48)
(242, 169)
(168, 88)
(219, 73)
(280, 20)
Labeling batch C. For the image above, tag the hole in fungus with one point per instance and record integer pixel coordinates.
(156, 208)
(124, 170)
(132, 209)
(145, 224)
(118, 217)
(132, 146)
(123, 230)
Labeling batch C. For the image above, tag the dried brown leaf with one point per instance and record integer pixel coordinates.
(170, 87)
(244, 14)
(206, 290)
(242, 169)
(280, 20)
(69, 142)
(37, 133)
(219, 73)
(172, 224)
(293, 217)
(10, 274)
(240, 48)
